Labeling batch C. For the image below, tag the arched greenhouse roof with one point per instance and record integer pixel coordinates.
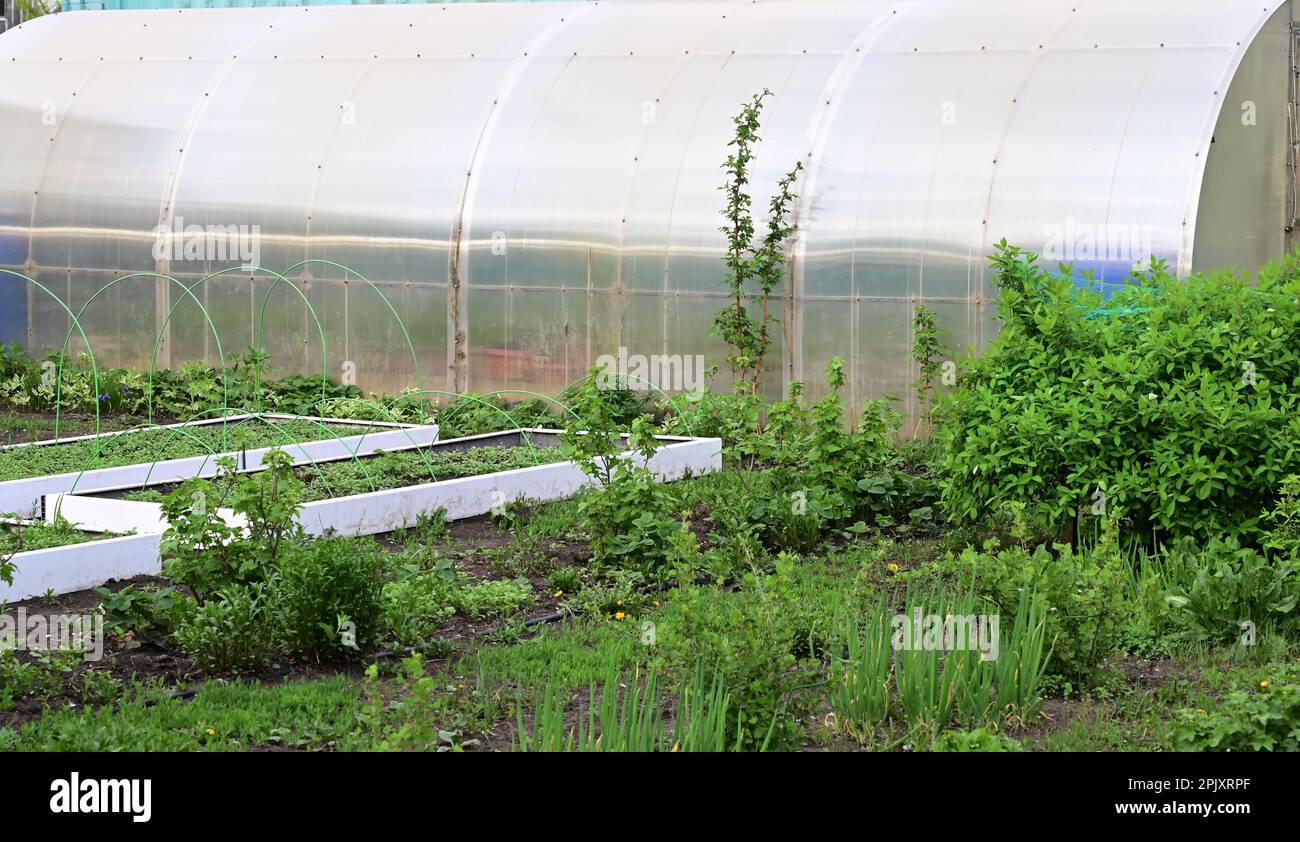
(533, 185)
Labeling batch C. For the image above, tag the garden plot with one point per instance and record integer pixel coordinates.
(136, 457)
(480, 473)
(84, 564)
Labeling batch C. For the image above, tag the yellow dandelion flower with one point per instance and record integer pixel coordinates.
(894, 568)
(619, 603)
(558, 594)
(212, 732)
(1264, 685)
(620, 616)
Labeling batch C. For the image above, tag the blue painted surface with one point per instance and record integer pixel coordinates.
(13, 291)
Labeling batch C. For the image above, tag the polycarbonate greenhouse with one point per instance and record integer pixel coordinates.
(524, 187)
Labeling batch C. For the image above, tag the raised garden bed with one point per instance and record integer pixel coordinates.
(180, 451)
(80, 566)
(522, 465)
(59, 557)
(17, 427)
(547, 476)
(29, 536)
(324, 480)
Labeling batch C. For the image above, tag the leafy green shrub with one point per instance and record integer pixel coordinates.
(624, 511)
(196, 389)
(417, 604)
(749, 637)
(618, 594)
(205, 552)
(1173, 406)
(1212, 589)
(329, 597)
(45, 676)
(1285, 520)
(497, 598)
(147, 615)
(233, 631)
(976, 740)
(42, 678)
(565, 580)
(472, 415)
(732, 418)
(1085, 595)
(1264, 716)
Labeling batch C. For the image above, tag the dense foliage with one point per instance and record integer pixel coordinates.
(1173, 407)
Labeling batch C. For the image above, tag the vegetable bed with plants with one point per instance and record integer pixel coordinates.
(26, 537)
(158, 444)
(388, 470)
(1091, 542)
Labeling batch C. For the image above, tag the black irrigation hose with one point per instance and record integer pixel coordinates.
(550, 618)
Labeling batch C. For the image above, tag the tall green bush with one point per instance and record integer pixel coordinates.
(1173, 407)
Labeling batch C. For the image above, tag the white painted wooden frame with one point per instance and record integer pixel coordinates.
(360, 514)
(81, 566)
(23, 496)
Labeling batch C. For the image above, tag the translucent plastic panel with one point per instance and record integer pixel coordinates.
(120, 319)
(109, 163)
(506, 216)
(75, 37)
(638, 29)
(669, 118)
(259, 149)
(528, 339)
(232, 302)
(798, 26)
(948, 25)
(164, 37)
(904, 176)
(1114, 24)
(367, 328)
(550, 187)
(396, 168)
(49, 307)
(288, 328)
(1056, 169)
(31, 113)
(1149, 198)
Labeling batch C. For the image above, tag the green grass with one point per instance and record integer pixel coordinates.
(153, 445)
(235, 717)
(577, 655)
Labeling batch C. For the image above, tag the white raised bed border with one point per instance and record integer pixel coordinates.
(23, 496)
(80, 566)
(378, 512)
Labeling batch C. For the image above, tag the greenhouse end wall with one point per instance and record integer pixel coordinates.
(493, 196)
